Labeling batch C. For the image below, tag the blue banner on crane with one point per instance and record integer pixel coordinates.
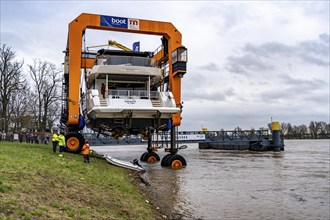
(115, 22)
(119, 22)
(136, 46)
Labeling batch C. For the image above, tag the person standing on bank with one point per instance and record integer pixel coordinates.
(61, 143)
(85, 152)
(55, 141)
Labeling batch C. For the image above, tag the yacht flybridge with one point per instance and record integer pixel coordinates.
(124, 94)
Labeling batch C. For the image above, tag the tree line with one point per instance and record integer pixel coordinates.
(30, 95)
(315, 130)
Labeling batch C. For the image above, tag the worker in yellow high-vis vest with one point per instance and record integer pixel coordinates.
(55, 140)
(61, 143)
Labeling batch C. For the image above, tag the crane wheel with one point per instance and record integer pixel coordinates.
(164, 160)
(176, 161)
(74, 142)
(142, 156)
(150, 157)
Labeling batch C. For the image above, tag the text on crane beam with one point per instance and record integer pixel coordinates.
(119, 22)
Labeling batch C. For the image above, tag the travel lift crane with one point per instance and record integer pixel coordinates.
(172, 56)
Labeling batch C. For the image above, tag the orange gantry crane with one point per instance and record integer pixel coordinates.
(172, 53)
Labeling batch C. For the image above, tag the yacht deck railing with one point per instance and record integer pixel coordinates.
(137, 94)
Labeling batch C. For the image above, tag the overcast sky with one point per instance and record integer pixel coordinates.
(249, 61)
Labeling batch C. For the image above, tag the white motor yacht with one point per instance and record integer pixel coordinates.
(123, 94)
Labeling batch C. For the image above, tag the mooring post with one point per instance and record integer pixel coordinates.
(276, 136)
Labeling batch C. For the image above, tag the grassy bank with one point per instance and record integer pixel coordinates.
(37, 184)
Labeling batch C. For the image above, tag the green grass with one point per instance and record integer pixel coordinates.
(37, 184)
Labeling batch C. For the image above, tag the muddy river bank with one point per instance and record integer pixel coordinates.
(294, 184)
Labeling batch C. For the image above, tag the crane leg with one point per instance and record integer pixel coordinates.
(150, 156)
(173, 149)
(173, 160)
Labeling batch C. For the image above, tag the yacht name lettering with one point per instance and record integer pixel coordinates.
(131, 102)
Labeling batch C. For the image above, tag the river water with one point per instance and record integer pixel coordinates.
(218, 184)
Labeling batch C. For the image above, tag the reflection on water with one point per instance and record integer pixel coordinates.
(293, 184)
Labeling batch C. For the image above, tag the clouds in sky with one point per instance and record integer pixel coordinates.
(248, 61)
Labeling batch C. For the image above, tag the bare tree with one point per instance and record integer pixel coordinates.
(19, 108)
(33, 110)
(298, 131)
(314, 129)
(289, 130)
(295, 131)
(327, 129)
(11, 81)
(302, 131)
(323, 128)
(284, 128)
(46, 78)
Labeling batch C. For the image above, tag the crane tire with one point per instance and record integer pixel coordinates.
(74, 142)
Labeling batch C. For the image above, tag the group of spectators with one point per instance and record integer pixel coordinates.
(27, 137)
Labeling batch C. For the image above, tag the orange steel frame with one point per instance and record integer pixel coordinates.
(76, 62)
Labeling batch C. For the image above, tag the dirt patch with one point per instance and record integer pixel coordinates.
(163, 208)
